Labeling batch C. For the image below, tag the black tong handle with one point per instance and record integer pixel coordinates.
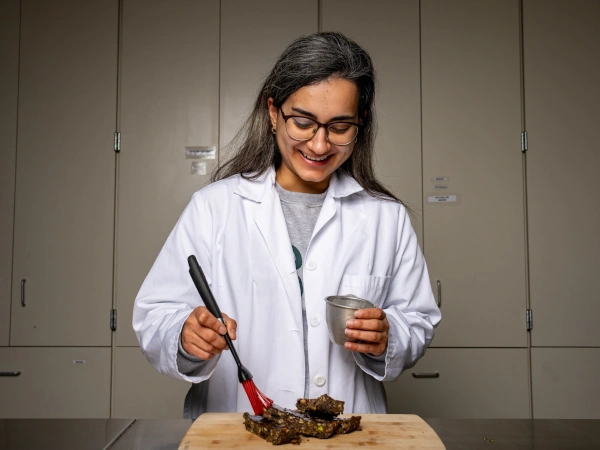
(211, 304)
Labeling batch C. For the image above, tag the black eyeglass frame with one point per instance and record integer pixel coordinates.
(319, 125)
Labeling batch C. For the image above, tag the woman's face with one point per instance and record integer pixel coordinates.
(307, 165)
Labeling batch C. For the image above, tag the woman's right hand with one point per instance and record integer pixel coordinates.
(202, 333)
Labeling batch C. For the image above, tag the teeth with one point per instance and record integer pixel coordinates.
(315, 159)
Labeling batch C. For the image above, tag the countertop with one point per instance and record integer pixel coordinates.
(155, 434)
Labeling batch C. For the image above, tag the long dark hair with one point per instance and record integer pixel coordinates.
(307, 61)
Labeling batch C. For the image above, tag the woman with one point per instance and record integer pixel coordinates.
(294, 216)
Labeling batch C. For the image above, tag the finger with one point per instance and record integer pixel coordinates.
(366, 336)
(195, 332)
(231, 326)
(195, 346)
(198, 352)
(361, 347)
(206, 319)
(371, 324)
(204, 338)
(213, 338)
(370, 313)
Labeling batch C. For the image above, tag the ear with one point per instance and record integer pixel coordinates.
(273, 111)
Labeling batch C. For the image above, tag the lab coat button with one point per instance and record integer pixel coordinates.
(311, 265)
(320, 380)
(315, 321)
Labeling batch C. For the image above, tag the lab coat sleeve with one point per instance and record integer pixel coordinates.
(168, 296)
(409, 306)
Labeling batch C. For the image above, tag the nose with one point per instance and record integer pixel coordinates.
(319, 144)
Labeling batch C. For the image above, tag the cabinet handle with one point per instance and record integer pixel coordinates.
(10, 374)
(439, 298)
(23, 291)
(426, 375)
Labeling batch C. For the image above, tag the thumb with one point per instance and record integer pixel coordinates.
(231, 326)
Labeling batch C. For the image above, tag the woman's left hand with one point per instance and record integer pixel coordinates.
(370, 328)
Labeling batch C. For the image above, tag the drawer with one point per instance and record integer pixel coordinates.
(565, 383)
(140, 391)
(464, 383)
(55, 382)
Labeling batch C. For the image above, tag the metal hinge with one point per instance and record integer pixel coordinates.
(113, 319)
(529, 319)
(117, 141)
(524, 141)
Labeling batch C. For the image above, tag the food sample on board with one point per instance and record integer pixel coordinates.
(323, 406)
(270, 431)
(318, 418)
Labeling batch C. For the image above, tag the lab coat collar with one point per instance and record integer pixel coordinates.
(340, 185)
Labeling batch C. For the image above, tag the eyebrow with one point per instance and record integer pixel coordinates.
(311, 115)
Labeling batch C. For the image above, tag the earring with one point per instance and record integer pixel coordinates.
(273, 129)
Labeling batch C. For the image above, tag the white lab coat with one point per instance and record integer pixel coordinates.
(236, 229)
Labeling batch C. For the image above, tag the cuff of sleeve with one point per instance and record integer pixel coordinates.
(387, 366)
(186, 363)
(373, 365)
(377, 358)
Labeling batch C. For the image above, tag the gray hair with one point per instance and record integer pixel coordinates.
(308, 61)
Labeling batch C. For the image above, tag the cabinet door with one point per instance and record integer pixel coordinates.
(55, 382)
(389, 31)
(464, 383)
(562, 69)
(565, 383)
(140, 391)
(169, 103)
(64, 209)
(253, 35)
(472, 170)
(9, 74)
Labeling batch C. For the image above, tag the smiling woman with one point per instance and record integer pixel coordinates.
(294, 216)
(313, 66)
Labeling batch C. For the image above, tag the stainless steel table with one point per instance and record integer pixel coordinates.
(66, 434)
(517, 434)
(155, 434)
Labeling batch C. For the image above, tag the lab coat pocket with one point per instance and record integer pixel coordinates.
(368, 287)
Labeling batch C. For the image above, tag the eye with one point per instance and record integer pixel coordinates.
(339, 128)
(303, 122)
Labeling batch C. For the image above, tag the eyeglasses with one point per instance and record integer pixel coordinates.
(302, 128)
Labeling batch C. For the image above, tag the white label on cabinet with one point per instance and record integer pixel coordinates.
(441, 198)
(441, 186)
(200, 152)
(198, 168)
(439, 179)
(79, 361)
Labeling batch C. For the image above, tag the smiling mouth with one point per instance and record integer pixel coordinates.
(315, 159)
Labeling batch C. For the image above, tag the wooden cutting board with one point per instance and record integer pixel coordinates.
(383, 431)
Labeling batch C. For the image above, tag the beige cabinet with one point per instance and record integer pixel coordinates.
(253, 35)
(140, 391)
(472, 171)
(565, 383)
(389, 31)
(55, 382)
(169, 131)
(562, 69)
(9, 74)
(64, 202)
(471, 383)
